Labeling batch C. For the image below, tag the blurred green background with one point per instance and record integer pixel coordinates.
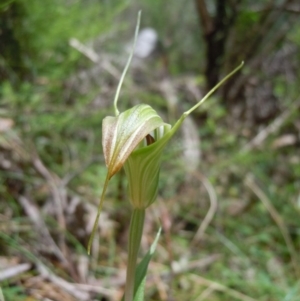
(237, 157)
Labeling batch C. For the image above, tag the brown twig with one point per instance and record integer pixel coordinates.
(57, 192)
(60, 282)
(40, 226)
(59, 195)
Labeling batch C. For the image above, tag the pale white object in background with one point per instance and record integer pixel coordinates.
(146, 43)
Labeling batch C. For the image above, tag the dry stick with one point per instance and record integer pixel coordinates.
(94, 57)
(206, 293)
(58, 196)
(212, 209)
(14, 271)
(105, 292)
(250, 182)
(202, 264)
(34, 215)
(270, 129)
(222, 288)
(293, 11)
(60, 282)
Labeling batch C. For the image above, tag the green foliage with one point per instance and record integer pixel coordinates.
(63, 125)
(5, 4)
(14, 293)
(141, 271)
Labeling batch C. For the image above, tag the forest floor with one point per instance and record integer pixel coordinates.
(228, 201)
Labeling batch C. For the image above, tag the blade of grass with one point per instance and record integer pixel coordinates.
(250, 182)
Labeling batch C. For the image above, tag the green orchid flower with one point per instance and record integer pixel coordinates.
(135, 140)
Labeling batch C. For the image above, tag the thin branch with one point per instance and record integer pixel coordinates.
(256, 62)
(14, 271)
(222, 288)
(212, 209)
(204, 263)
(292, 11)
(105, 292)
(267, 131)
(267, 21)
(94, 57)
(54, 187)
(34, 215)
(60, 282)
(250, 182)
(205, 18)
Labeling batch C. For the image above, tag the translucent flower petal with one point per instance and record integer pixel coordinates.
(121, 134)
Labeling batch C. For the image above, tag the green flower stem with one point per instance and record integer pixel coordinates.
(135, 236)
(127, 64)
(213, 90)
(96, 223)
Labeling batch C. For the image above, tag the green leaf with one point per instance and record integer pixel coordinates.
(141, 271)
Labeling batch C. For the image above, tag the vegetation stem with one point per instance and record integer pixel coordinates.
(135, 236)
(214, 89)
(98, 214)
(127, 65)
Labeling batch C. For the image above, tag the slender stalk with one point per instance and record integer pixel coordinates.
(214, 89)
(135, 236)
(98, 214)
(127, 64)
